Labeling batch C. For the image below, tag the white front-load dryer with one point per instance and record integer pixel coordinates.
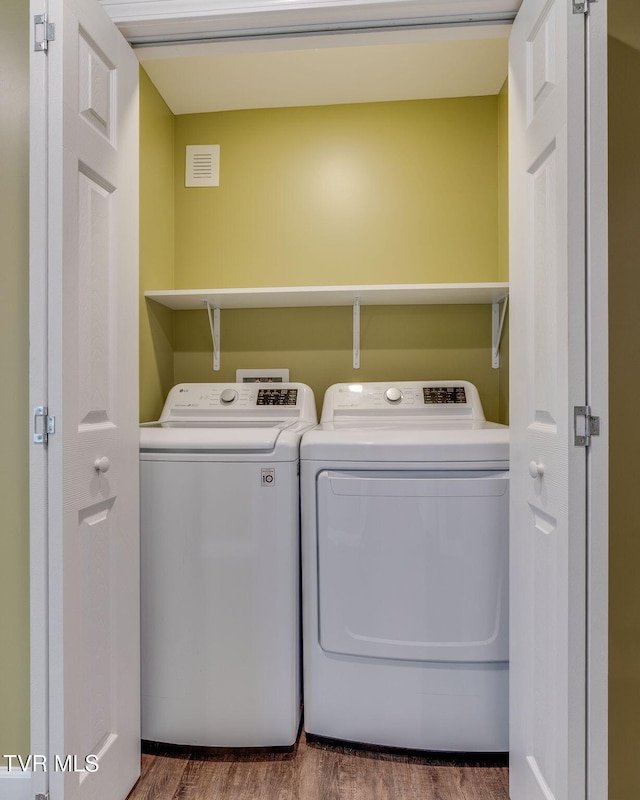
(405, 568)
(220, 565)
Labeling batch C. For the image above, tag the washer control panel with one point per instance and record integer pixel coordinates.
(238, 401)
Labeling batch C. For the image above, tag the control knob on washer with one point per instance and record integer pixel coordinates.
(228, 396)
(393, 395)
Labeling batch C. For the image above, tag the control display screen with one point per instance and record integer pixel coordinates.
(444, 394)
(277, 397)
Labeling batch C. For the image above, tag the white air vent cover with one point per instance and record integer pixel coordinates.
(262, 376)
(203, 165)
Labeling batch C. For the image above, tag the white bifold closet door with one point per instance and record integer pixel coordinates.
(84, 334)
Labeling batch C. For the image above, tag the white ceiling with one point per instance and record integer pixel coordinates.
(330, 69)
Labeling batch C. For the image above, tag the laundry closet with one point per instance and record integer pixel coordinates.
(329, 187)
(322, 191)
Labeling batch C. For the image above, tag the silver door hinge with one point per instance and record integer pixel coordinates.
(581, 6)
(584, 426)
(42, 432)
(43, 33)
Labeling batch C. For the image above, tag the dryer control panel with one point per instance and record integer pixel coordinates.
(424, 399)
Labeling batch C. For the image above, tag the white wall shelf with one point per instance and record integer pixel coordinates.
(299, 296)
(494, 294)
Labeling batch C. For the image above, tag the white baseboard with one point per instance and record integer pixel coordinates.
(15, 785)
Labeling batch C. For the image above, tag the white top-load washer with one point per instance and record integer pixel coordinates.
(220, 589)
(405, 568)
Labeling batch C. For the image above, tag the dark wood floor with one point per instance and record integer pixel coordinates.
(317, 771)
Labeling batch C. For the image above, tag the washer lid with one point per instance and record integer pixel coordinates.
(231, 417)
(212, 435)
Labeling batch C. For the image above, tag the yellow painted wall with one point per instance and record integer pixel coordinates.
(397, 343)
(14, 360)
(624, 386)
(402, 192)
(503, 183)
(156, 247)
(371, 193)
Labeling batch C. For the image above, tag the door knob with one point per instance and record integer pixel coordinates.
(102, 464)
(536, 470)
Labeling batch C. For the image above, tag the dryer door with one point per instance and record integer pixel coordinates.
(414, 564)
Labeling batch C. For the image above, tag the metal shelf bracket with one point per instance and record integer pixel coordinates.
(498, 313)
(214, 324)
(356, 333)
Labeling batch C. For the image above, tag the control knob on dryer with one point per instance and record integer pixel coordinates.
(228, 396)
(393, 395)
